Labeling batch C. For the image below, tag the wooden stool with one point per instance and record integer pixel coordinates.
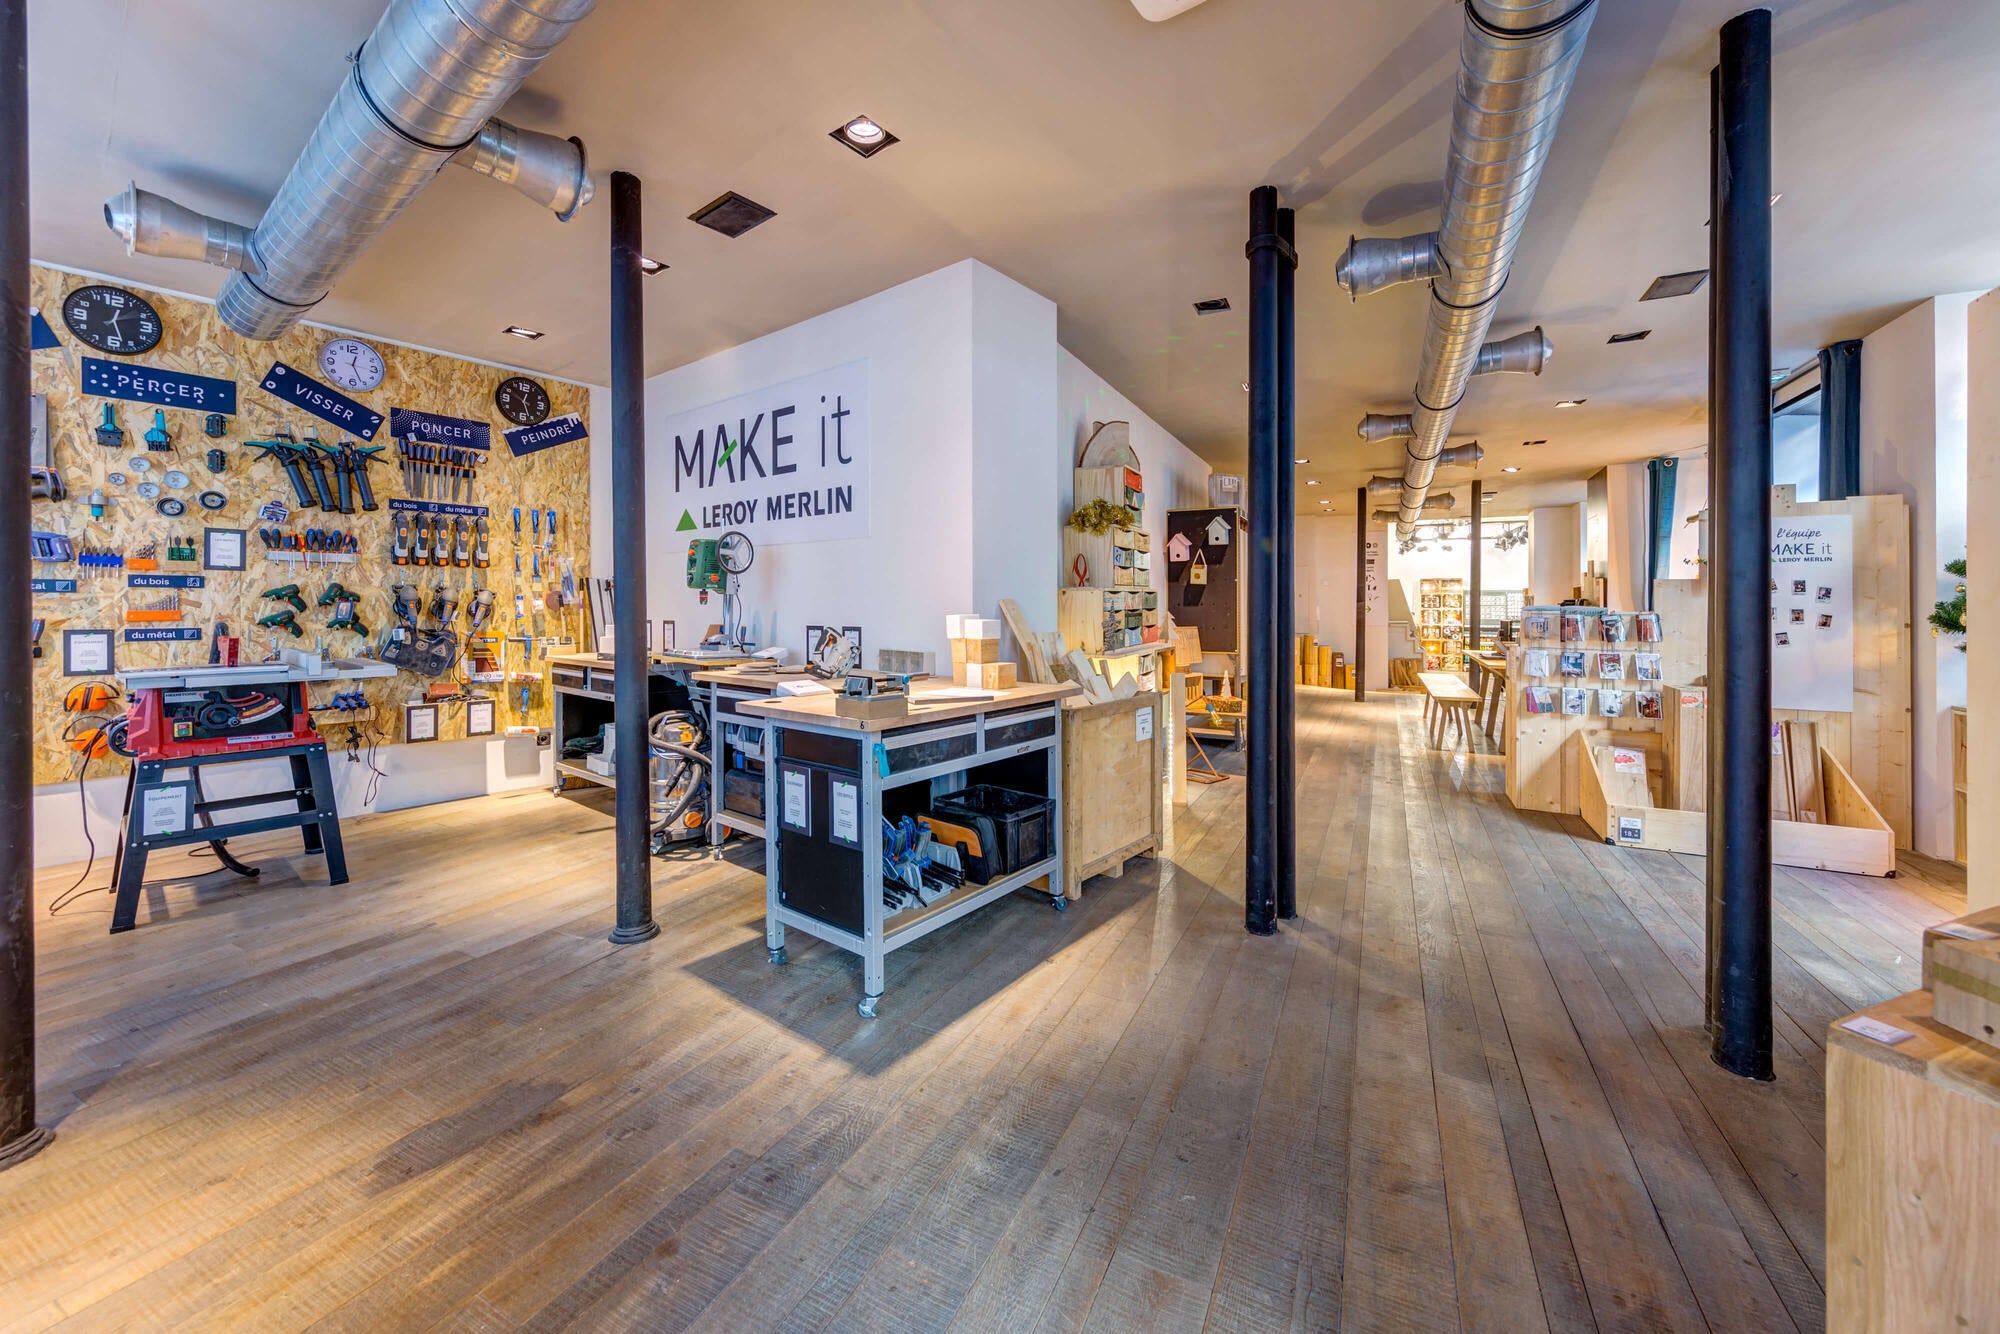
(1448, 700)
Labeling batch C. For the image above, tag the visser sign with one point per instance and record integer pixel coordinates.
(788, 463)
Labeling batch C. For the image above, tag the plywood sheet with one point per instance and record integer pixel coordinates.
(196, 341)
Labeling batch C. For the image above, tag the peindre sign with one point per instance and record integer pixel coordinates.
(788, 463)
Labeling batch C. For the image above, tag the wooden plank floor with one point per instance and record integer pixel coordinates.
(1467, 1088)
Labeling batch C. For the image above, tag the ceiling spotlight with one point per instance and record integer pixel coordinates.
(1512, 467)
(1302, 460)
(1213, 306)
(1675, 284)
(520, 332)
(649, 267)
(1572, 403)
(1312, 481)
(864, 136)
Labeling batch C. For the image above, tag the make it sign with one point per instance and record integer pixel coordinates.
(296, 389)
(787, 463)
(164, 389)
(437, 429)
(555, 431)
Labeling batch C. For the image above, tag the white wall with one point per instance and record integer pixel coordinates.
(961, 374)
(1176, 478)
(1555, 553)
(1626, 536)
(1913, 444)
(413, 776)
(1323, 589)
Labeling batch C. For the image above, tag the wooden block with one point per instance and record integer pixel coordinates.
(990, 675)
(1911, 1175)
(1986, 919)
(1965, 984)
(981, 650)
(1331, 667)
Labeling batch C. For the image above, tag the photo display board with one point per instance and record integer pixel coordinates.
(1812, 613)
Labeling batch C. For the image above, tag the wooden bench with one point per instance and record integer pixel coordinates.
(1492, 689)
(1446, 698)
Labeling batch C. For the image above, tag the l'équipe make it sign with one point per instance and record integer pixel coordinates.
(786, 463)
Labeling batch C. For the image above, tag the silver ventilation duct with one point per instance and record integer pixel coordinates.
(151, 224)
(1523, 354)
(422, 91)
(1376, 427)
(1385, 261)
(1517, 62)
(1432, 505)
(1454, 457)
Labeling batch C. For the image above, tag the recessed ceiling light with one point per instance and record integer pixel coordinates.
(1213, 306)
(1312, 481)
(1675, 284)
(519, 332)
(1246, 386)
(731, 214)
(1636, 336)
(1302, 460)
(649, 267)
(864, 136)
(1512, 467)
(1572, 402)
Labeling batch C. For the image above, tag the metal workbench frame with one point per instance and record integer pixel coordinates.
(882, 935)
(721, 820)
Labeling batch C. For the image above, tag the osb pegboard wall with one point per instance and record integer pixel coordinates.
(196, 341)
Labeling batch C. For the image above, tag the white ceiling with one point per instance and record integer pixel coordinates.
(1100, 159)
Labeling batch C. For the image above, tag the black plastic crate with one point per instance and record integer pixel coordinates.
(1013, 827)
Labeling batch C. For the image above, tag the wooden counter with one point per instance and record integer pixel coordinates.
(1912, 1176)
(818, 709)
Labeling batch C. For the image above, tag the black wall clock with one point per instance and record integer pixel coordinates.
(112, 319)
(522, 401)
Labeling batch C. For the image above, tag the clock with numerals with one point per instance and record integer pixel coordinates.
(351, 364)
(522, 401)
(112, 320)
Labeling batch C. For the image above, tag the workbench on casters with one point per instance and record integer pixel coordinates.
(724, 691)
(827, 780)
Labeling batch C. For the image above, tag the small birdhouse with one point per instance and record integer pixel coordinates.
(1218, 531)
(1179, 548)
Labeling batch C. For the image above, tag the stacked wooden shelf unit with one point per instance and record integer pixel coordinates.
(1107, 607)
(1441, 624)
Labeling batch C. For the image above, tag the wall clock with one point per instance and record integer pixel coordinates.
(351, 364)
(522, 401)
(112, 319)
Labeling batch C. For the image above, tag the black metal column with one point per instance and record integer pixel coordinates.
(1840, 420)
(1472, 599)
(20, 1137)
(632, 750)
(1361, 595)
(1739, 644)
(1260, 570)
(1286, 631)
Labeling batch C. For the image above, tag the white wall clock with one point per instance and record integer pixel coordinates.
(351, 364)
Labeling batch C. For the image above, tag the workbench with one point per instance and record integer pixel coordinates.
(724, 691)
(584, 694)
(827, 779)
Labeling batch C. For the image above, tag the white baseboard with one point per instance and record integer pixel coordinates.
(412, 776)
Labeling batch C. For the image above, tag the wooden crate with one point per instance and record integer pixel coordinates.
(1113, 807)
(1684, 731)
(1109, 559)
(1912, 1170)
(1855, 839)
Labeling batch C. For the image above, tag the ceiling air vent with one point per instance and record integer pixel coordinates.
(1636, 336)
(1213, 306)
(732, 214)
(1675, 284)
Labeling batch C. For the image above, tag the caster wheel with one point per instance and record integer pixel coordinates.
(1059, 902)
(780, 957)
(867, 1006)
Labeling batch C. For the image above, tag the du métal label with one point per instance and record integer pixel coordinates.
(788, 463)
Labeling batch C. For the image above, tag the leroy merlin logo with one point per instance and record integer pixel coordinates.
(687, 523)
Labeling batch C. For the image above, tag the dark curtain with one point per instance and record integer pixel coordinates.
(1660, 478)
(1840, 420)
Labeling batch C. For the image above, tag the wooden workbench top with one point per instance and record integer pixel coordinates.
(605, 662)
(819, 708)
(1933, 1052)
(748, 680)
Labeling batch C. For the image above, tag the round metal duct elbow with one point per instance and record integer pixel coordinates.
(553, 172)
(1385, 261)
(1523, 354)
(151, 224)
(1377, 427)
(421, 89)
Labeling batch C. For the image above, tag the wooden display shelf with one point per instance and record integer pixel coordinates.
(1619, 809)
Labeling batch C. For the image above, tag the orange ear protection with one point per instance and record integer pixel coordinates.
(90, 698)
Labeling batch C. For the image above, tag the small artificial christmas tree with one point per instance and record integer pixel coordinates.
(1949, 617)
